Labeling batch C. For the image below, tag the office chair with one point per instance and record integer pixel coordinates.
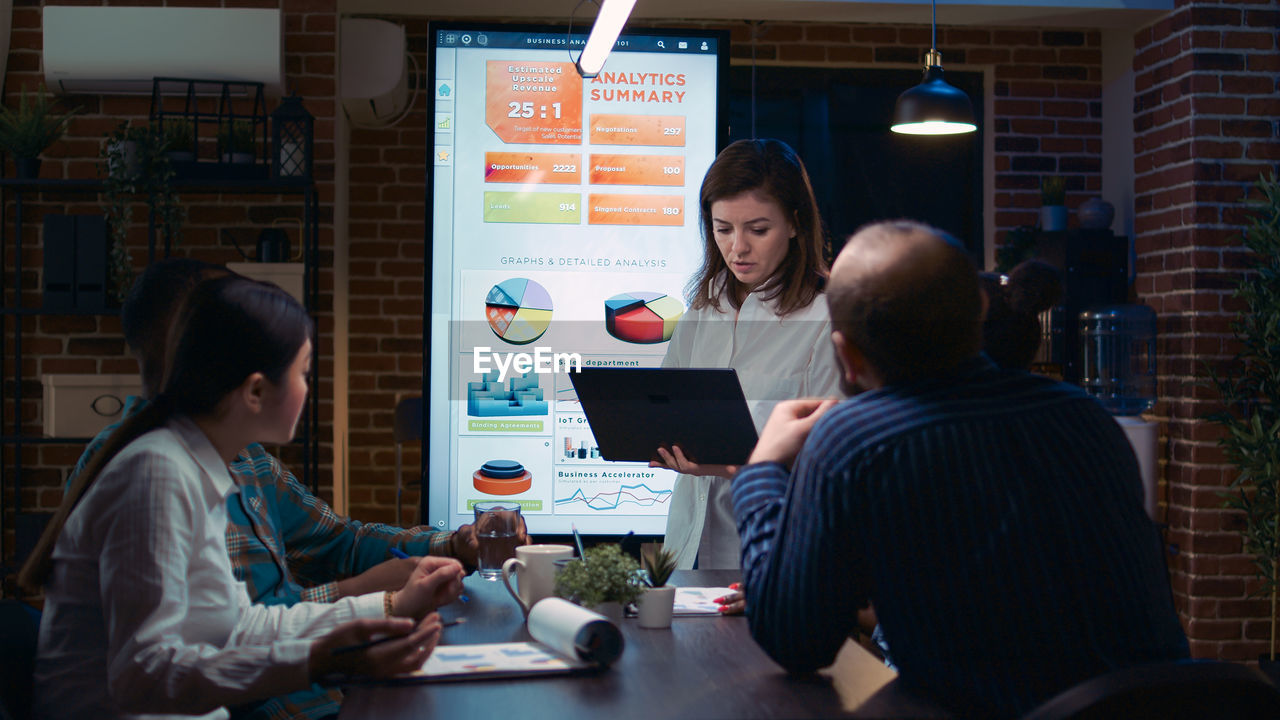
(19, 626)
(407, 428)
(1192, 690)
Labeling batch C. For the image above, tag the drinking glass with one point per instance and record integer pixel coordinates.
(498, 533)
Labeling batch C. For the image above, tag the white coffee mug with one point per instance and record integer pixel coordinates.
(534, 566)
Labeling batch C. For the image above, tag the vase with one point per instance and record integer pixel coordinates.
(612, 611)
(655, 605)
(26, 168)
(1053, 218)
(1096, 214)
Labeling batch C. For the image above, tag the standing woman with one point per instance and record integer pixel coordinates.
(142, 613)
(755, 306)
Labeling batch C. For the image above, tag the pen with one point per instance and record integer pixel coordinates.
(397, 552)
(346, 649)
(578, 539)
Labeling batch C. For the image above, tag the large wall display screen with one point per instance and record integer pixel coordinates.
(564, 229)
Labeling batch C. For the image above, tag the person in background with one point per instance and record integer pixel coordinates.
(1011, 331)
(756, 306)
(948, 488)
(142, 612)
(286, 545)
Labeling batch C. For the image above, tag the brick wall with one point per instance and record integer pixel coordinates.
(93, 344)
(387, 231)
(1205, 128)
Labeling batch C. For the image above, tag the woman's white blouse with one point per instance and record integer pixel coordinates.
(142, 613)
(777, 358)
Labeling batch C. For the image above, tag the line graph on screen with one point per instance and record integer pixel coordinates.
(640, 495)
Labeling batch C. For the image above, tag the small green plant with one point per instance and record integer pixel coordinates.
(179, 135)
(34, 125)
(1053, 190)
(1250, 394)
(659, 563)
(605, 574)
(236, 136)
(135, 168)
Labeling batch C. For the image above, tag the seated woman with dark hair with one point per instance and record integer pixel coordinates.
(142, 612)
(1011, 331)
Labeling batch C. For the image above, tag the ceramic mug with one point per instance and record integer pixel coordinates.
(535, 570)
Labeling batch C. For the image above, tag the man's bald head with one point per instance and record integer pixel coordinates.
(907, 297)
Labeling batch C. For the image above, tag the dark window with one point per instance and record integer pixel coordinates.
(838, 120)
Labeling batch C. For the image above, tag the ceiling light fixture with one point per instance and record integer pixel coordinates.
(933, 107)
(604, 33)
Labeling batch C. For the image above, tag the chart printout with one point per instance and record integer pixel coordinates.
(564, 231)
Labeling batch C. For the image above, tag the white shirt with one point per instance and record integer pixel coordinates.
(777, 358)
(142, 613)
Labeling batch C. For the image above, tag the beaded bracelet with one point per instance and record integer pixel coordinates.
(386, 603)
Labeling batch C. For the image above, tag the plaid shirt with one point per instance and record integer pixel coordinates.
(288, 546)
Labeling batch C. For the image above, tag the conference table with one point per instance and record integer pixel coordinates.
(701, 667)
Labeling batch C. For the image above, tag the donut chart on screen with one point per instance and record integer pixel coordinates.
(642, 317)
(518, 310)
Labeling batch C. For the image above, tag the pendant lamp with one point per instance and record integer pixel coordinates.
(933, 107)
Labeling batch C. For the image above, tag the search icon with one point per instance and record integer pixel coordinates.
(662, 45)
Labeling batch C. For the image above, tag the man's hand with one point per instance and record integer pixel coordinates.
(788, 426)
(407, 649)
(436, 581)
(674, 459)
(466, 547)
(389, 575)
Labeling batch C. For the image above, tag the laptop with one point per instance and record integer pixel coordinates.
(633, 411)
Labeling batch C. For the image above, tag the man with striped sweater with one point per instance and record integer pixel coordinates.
(994, 518)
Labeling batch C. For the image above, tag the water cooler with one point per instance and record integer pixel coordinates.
(1118, 367)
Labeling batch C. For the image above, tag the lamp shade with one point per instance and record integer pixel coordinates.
(933, 107)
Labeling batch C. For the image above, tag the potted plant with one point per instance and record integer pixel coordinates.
(658, 599)
(604, 579)
(1053, 201)
(1250, 416)
(32, 127)
(135, 168)
(236, 141)
(179, 140)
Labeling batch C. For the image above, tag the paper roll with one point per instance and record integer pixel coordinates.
(575, 631)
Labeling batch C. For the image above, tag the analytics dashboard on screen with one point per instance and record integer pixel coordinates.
(563, 230)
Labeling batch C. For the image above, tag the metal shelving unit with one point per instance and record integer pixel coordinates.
(12, 436)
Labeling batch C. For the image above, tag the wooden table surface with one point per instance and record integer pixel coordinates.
(702, 667)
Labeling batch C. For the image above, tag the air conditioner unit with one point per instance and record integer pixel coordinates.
(374, 79)
(118, 50)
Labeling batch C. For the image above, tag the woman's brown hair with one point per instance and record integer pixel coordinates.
(228, 328)
(772, 167)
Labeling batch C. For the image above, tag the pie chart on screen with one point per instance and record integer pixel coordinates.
(518, 310)
(642, 317)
